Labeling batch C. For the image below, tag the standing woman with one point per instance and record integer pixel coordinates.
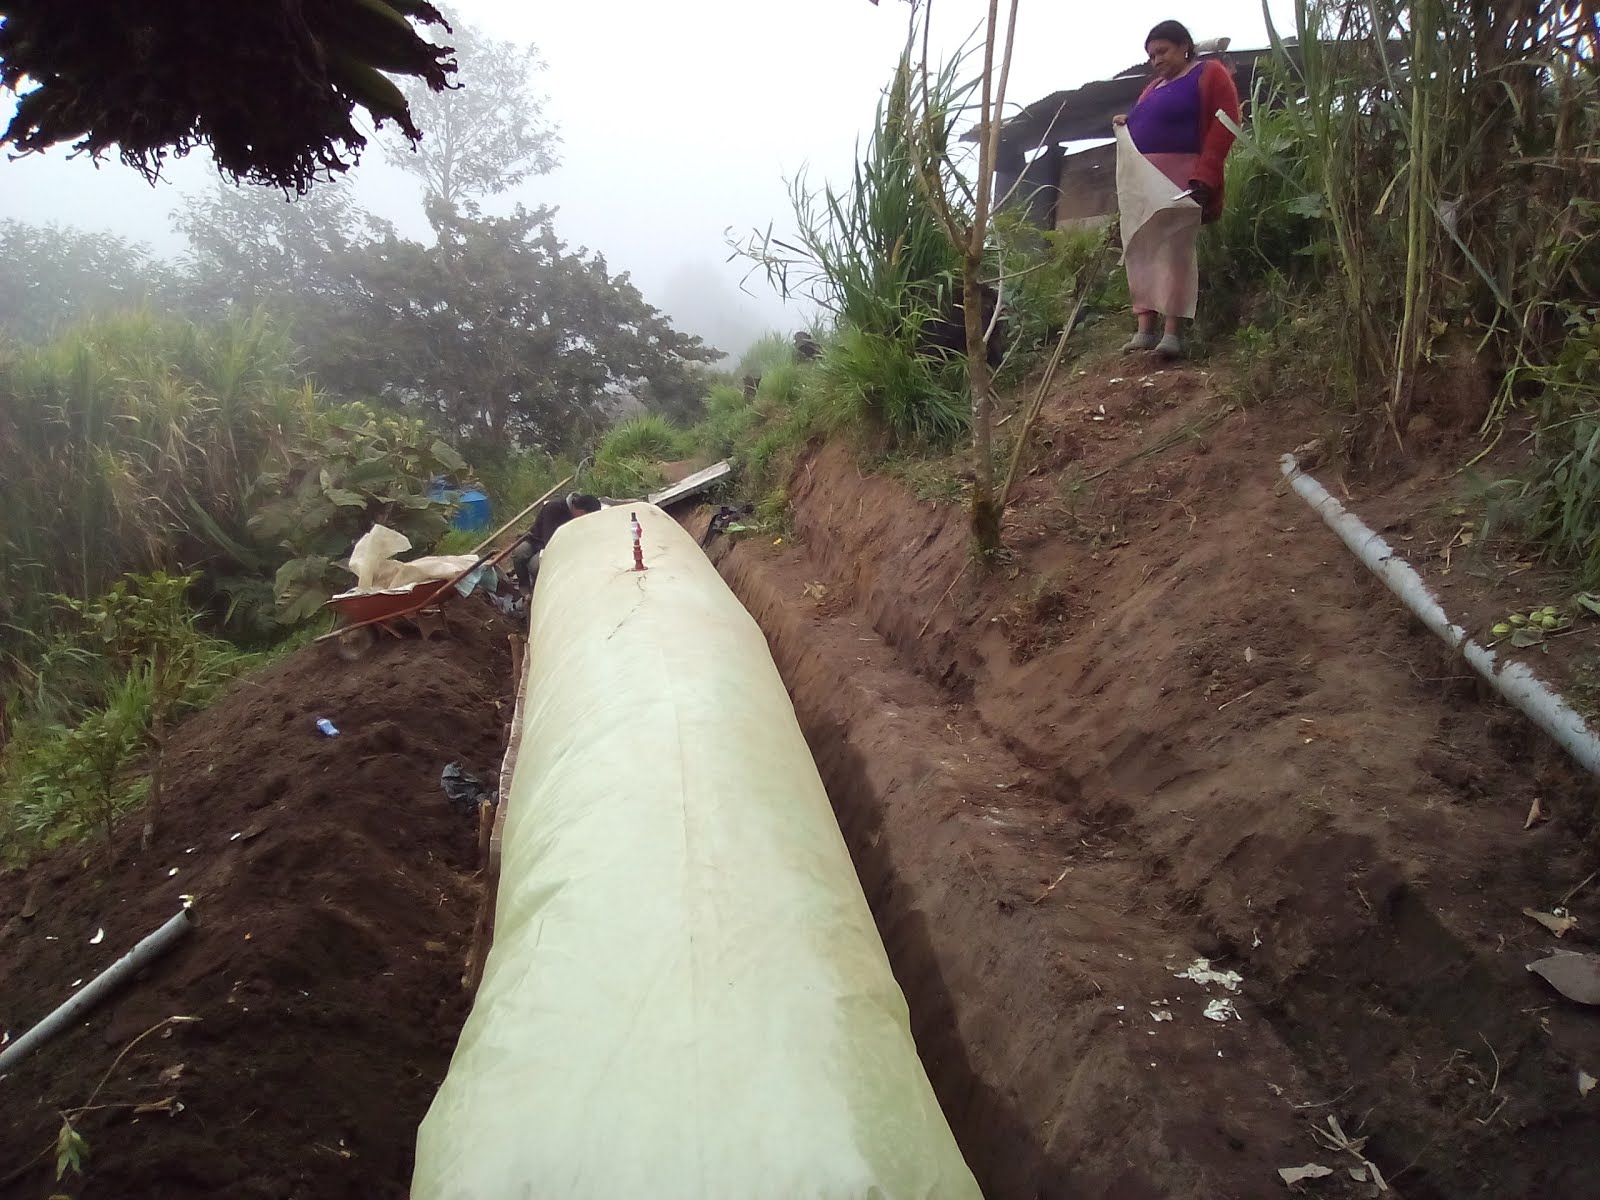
(1175, 126)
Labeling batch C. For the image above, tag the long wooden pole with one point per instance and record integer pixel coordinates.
(479, 548)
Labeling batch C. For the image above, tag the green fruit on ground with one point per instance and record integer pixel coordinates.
(1501, 630)
(1517, 619)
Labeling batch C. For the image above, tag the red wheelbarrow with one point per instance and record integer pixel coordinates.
(419, 606)
(394, 610)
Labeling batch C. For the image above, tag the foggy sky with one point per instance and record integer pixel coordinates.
(678, 121)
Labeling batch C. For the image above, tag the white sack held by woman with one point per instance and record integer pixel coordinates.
(686, 998)
(1158, 234)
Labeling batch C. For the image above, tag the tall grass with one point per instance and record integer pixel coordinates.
(768, 351)
(882, 382)
(648, 435)
(729, 416)
(1560, 503)
(782, 383)
(1448, 148)
(130, 444)
(628, 458)
(873, 254)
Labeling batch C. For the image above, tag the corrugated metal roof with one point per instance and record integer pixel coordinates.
(1084, 113)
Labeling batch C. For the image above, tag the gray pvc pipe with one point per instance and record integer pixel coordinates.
(1511, 679)
(97, 989)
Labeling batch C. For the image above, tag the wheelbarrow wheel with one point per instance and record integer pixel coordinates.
(353, 643)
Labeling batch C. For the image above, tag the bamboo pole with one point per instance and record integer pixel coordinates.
(488, 541)
(1086, 286)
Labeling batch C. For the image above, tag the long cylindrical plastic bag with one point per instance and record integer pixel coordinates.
(686, 998)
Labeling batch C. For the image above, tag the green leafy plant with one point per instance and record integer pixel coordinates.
(132, 443)
(1039, 276)
(354, 468)
(138, 661)
(70, 1150)
(1560, 500)
(68, 780)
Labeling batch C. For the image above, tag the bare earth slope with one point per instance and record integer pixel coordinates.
(1183, 722)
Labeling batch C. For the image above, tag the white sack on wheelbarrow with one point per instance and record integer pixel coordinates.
(373, 562)
(686, 998)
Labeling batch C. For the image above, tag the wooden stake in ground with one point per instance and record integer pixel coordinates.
(1086, 286)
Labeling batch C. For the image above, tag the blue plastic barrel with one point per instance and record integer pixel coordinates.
(473, 511)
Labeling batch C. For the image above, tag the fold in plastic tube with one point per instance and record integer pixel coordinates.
(1512, 679)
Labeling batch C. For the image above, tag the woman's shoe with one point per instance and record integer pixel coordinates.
(1139, 341)
(1170, 347)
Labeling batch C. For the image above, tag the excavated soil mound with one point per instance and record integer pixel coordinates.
(334, 889)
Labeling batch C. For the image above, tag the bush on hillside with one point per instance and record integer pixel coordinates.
(121, 667)
(1041, 273)
(766, 352)
(729, 416)
(884, 383)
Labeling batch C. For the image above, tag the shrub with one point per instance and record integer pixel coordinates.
(133, 660)
(1560, 501)
(648, 435)
(766, 352)
(883, 382)
(1042, 269)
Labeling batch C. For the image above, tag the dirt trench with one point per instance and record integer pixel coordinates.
(1185, 727)
(1031, 990)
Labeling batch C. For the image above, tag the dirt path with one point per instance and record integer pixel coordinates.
(1185, 697)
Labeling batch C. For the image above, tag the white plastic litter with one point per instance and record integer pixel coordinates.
(1200, 971)
(1294, 1175)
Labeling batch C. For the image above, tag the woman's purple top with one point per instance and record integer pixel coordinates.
(1167, 119)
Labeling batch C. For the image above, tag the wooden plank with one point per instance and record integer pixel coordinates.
(692, 484)
(491, 828)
